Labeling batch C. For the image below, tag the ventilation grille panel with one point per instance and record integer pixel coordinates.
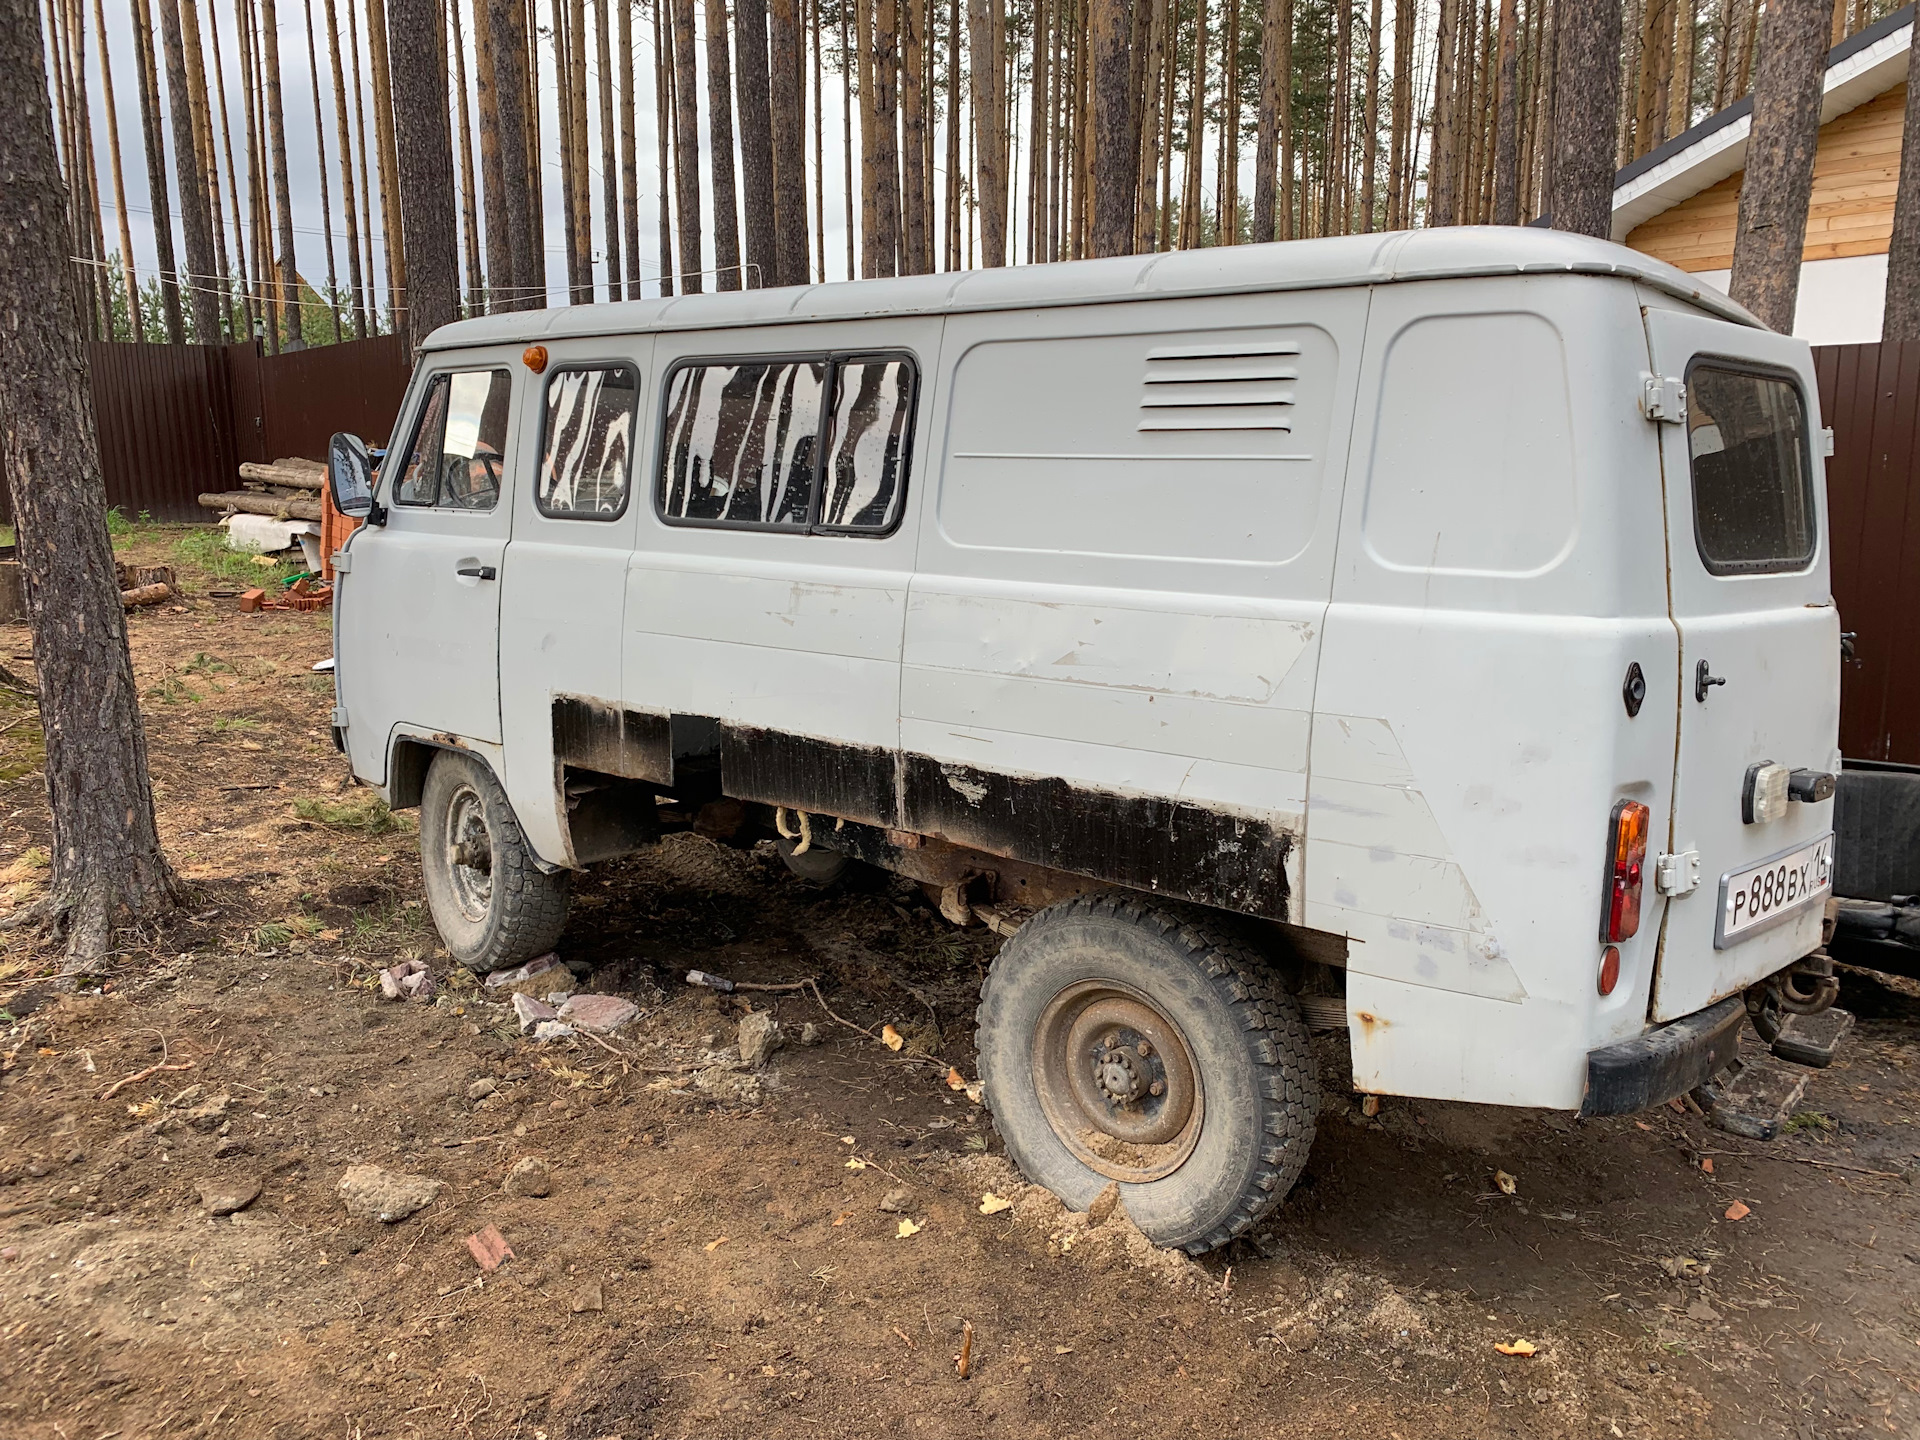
(1222, 386)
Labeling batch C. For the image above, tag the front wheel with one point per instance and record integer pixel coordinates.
(1122, 1040)
(493, 906)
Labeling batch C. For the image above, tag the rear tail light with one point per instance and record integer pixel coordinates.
(1627, 859)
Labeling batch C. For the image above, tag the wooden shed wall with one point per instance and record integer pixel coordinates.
(1855, 171)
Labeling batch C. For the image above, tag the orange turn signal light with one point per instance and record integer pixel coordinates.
(534, 357)
(1627, 859)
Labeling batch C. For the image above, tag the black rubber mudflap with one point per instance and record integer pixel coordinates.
(1876, 825)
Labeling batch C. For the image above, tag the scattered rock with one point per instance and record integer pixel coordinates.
(759, 1037)
(552, 1030)
(408, 980)
(10, 1252)
(489, 1249)
(209, 1116)
(809, 1034)
(529, 1176)
(589, 1297)
(1303, 1336)
(371, 1193)
(481, 1088)
(530, 1012)
(734, 1086)
(1702, 1311)
(232, 1145)
(530, 979)
(1104, 1204)
(559, 997)
(896, 1201)
(223, 1197)
(599, 1013)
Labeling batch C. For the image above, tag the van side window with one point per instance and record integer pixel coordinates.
(586, 457)
(756, 444)
(1752, 483)
(459, 443)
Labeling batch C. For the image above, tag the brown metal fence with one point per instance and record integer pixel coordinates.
(176, 420)
(1870, 395)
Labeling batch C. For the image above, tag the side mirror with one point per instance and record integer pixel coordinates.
(350, 478)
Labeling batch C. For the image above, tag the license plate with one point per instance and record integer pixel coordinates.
(1763, 895)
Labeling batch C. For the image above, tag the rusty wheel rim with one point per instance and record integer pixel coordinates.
(469, 854)
(1117, 1082)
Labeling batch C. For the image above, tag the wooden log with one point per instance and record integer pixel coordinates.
(146, 595)
(283, 473)
(256, 504)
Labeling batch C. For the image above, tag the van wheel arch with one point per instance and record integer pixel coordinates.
(407, 766)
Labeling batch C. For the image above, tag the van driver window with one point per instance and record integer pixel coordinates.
(743, 443)
(586, 455)
(459, 443)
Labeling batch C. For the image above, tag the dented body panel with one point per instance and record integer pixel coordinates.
(1308, 600)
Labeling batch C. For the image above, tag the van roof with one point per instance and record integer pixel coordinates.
(1439, 254)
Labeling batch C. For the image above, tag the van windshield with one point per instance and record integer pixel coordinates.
(1752, 479)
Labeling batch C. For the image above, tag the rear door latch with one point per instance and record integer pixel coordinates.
(1664, 398)
(1677, 874)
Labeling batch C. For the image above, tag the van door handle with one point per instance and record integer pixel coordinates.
(478, 572)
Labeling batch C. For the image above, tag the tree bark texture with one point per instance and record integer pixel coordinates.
(726, 206)
(629, 159)
(108, 868)
(1901, 320)
(424, 158)
(524, 278)
(196, 225)
(609, 142)
(986, 23)
(686, 146)
(157, 197)
(282, 194)
(879, 147)
(1506, 143)
(128, 276)
(916, 242)
(1771, 230)
(1114, 164)
(343, 138)
(469, 196)
(752, 90)
(1585, 111)
(1443, 163)
(663, 130)
(787, 77)
(391, 204)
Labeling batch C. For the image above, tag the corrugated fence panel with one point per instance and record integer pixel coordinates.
(307, 396)
(1870, 395)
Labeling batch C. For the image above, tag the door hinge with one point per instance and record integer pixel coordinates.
(339, 717)
(1826, 442)
(1664, 398)
(1677, 874)
(342, 562)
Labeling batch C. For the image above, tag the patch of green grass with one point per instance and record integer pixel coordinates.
(204, 664)
(172, 691)
(385, 923)
(228, 723)
(369, 815)
(1811, 1120)
(272, 936)
(204, 549)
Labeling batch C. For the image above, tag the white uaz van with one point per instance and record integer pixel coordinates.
(1427, 634)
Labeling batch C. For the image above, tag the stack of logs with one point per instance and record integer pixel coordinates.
(285, 490)
(144, 584)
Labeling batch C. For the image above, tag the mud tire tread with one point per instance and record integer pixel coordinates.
(530, 906)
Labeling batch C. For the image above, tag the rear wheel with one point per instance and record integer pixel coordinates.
(493, 906)
(1122, 1040)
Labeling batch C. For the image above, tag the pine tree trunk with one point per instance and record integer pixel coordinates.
(786, 62)
(263, 309)
(469, 199)
(726, 208)
(1227, 224)
(609, 154)
(160, 203)
(952, 228)
(391, 207)
(986, 27)
(1340, 121)
(518, 266)
(1772, 226)
(1506, 145)
(1680, 94)
(686, 146)
(1901, 319)
(818, 45)
(371, 271)
(108, 868)
(662, 129)
(916, 254)
(1442, 164)
(129, 275)
(629, 158)
(343, 140)
(576, 138)
(536, 234)
(753, 88)
(209, 157)
(1369, 159)
(282, 194)
(1586, 109)
(1401, 105)
(1114, 164)
(499, 239)
(1190, 233)
(424, 156)
(880, 147)
(326, 197)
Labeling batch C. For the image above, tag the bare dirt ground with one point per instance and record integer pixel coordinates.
(715, 1258)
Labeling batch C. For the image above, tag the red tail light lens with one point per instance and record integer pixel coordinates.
(1627, 857)
(1609, 969)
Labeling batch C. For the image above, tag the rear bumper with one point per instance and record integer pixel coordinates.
(1652, 1068)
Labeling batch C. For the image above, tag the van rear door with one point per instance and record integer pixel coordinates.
(1759, 655)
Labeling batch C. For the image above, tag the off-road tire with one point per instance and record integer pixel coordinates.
(525, 908)
(1248, 1044)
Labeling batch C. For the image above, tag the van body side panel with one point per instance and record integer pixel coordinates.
(1502, 562)
(563, 593)
(1114, 626)
(789, 640)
